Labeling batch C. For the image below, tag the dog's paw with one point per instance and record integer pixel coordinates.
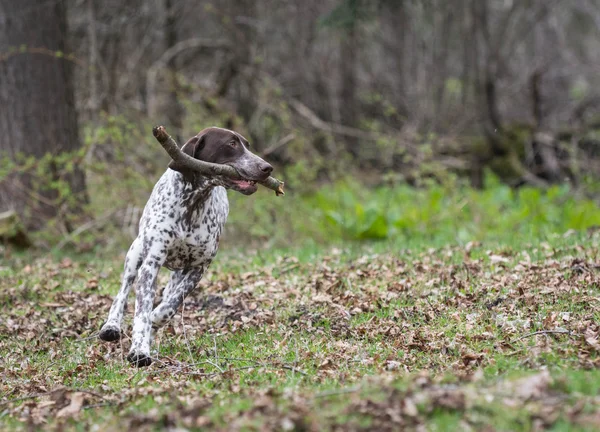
(139, 359)
(110, 333)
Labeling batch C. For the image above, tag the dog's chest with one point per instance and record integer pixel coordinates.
(198, 231)
(191, 221)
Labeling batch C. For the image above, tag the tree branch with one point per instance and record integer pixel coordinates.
(181, 160)
(334, 128)
(170, 54)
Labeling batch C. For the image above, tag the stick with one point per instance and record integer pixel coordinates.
(86, 226)
(48, 393)
(294, 369)
(543, 332)
(181, 160)
(338, 392)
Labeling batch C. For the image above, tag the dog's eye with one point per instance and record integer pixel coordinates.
(233, 143)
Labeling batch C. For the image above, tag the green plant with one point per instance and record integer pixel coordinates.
(449, 213)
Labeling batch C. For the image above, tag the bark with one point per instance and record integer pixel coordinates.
(41, 119)
(441, 62)
(94, 101)
(174, 109)
(348, 108)
(536, 99)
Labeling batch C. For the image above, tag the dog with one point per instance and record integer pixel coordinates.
(180, 229)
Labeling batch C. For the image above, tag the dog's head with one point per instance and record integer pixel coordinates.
(223, 146)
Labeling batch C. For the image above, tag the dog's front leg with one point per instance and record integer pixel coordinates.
(111, 330)
(139, 354)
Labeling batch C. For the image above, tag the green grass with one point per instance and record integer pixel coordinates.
(430, 326)
(432, 216)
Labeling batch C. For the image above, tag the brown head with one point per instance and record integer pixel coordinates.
(223, 146)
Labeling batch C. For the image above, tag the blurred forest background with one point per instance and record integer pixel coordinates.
(384, 117)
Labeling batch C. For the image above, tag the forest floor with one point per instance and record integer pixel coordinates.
(373, 337)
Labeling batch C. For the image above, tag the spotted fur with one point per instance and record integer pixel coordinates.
(180, 229)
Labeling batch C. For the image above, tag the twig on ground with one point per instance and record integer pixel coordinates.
(215, 348)
(98, 405)
(294, 369)
(161, 362)
(48, 393)
(179, 367)
(338, 392)
(540, 332)
(295, 357)
(240, 359)
(8, 393)
(183, 161)
(93, 393)
(187, 343)
(288, 268)
(215, 365)
(92, 336)
(22, 398)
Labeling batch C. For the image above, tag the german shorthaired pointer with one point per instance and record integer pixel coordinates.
(180, 230)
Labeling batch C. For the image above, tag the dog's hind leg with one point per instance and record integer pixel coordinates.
(174, 280)
(181, 284)
(111, 330)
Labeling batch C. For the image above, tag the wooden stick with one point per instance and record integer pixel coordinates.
(544, 332)
(183, 161)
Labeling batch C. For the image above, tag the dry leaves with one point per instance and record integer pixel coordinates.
(74, 406)
(591, 337)
(387, 316)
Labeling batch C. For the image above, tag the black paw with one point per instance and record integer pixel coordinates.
(110, 334)
(139, 360)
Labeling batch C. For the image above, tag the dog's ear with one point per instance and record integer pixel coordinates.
(192, 147)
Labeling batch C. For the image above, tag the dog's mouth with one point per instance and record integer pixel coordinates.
(247, 187)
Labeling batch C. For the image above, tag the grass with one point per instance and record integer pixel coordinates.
(452, 213)
(434, 331)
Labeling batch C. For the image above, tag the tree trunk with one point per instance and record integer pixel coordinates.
(38, 115)
(348, 108)
(174, 109)
(94, 101)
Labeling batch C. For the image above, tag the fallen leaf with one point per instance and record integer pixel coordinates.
(74, 406)
(531, 387)
(495, 259)
(392, 365)
(591, 337)
(409, 408)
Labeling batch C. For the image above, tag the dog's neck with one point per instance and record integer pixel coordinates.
(194, 180)
(195, 187)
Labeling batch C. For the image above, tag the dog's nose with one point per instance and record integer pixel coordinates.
(266, 168)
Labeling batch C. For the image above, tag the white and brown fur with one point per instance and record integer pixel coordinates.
(180, 229)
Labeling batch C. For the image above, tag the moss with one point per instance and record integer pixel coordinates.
(565, 134)
(11, 230)
(593, 122)
(479, 147)
(509, 168)
(516, 137)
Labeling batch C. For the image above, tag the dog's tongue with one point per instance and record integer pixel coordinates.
(245, 184)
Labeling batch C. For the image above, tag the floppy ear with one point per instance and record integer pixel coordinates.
(191, 148)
